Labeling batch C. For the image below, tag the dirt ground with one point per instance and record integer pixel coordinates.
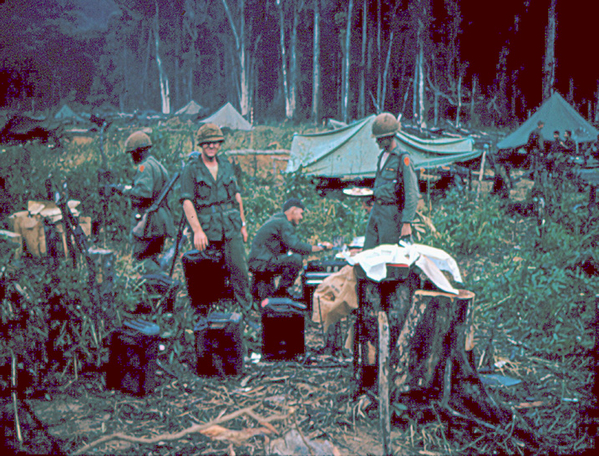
(310, 401)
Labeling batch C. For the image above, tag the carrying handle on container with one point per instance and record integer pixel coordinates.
(144, 327)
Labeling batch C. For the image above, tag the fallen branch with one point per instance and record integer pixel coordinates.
(179, 435)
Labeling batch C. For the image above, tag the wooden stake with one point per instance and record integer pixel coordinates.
(384, 415)
(482, 172)
(14, 397)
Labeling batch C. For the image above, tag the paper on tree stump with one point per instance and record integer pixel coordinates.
(429, 259)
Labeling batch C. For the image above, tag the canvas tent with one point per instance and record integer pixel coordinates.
(558, 115)
(352, 151)
(228, 117)
(190, 109)
(66, 113)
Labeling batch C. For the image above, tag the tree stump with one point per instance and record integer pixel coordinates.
(430, 360)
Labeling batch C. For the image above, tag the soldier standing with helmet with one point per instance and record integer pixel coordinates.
(214, 209)
(395, 188)
(148, 235)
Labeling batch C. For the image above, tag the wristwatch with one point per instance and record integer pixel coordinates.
(242, 224)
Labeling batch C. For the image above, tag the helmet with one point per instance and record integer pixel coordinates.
(210, 133)
(137, 140)
(385, 124)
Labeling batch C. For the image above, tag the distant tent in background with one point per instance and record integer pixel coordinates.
(228, 117)
(351, 151)
(558, 115)
(66, 113)
(190, 109)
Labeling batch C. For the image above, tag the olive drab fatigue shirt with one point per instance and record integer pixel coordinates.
(396, 198)
(214, 200)
(149, 180)
(275, 238)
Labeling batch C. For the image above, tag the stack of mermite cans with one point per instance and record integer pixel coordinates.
(219, 346)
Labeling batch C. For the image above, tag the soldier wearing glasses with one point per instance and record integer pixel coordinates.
(214, 209)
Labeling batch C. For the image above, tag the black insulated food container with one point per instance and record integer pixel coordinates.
(132, 359)
(282, 329)
(219, 344)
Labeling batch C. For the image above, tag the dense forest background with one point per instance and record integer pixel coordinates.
(470, 61)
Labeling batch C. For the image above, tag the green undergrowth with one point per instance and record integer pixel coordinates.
(540, 283)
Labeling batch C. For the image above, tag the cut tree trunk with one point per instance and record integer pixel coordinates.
(430, 351)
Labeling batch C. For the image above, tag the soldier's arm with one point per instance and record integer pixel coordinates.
(244, 231)
(200, 240)
(411, 193)
(290, 240)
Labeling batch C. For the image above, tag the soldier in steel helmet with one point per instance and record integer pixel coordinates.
(395, 188)
(150, 179)
(214, 209)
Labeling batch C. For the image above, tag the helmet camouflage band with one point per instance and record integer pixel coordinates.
(385, 124)
(210, 133)
(136, 141)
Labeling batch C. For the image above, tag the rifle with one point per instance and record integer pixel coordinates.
(105, 175)
(140, 227)
(73, 231)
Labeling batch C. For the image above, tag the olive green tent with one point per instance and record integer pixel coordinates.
(190, 109)
(351, 151)
(558, 115)
(228, 117)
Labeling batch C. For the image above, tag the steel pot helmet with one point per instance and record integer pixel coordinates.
(136, 141)
(210, 133)
(385, 124)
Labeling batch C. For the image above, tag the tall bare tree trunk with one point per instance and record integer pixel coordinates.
(162, 76)
(473, 101)
(362, 88)
(239, 36)
(316, 64)
(421, 113)
(549, 66)
(345, 75)
(420, 15)
(125, 78)
(386, 71)
(288, 110)
(293, 61)
(379, 108)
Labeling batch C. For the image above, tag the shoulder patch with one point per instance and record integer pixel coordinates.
(141, 168)
(406, 160)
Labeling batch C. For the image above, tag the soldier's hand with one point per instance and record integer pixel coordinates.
(244, 233)
(200, 240)
(406, 240)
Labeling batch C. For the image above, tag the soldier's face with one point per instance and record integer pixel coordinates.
(385, 142)
(297, 214)
(210, 149)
